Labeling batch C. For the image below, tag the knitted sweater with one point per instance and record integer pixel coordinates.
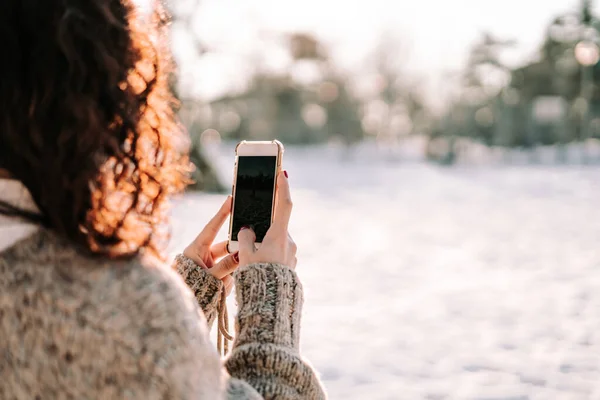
(77, 327)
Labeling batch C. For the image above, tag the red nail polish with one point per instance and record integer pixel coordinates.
(236, 257)
(286, 174)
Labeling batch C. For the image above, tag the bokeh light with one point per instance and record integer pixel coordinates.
(210, 137)
(587, 53)
(314, 115)
(328, 92)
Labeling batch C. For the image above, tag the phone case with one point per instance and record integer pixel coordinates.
(280, 152)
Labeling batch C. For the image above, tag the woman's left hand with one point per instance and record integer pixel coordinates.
(214, 257)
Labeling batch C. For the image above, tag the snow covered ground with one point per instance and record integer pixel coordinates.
(424, 282)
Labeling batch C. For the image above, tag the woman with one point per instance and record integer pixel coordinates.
(90, 153)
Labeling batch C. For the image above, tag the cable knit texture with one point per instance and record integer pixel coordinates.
(77, 327)
(267, 330)
(205, 287)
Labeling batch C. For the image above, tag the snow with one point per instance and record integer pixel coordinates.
(424, 282)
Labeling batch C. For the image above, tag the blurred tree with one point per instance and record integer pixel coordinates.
(204, 176)
(484, 78)
(586, 12)
(477, 108)
(342, 110)
(405, 111)
(279, 105)
(540, 103)
(515, 108)
(487, 51)
(303, 46)
(558, 74)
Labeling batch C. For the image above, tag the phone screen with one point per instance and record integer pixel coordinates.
(254, 194)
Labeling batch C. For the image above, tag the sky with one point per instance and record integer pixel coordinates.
(435, 35)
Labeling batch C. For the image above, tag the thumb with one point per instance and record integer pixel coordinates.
(246, 238)
(226, 266)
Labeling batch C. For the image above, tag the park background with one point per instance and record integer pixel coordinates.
(445, 164)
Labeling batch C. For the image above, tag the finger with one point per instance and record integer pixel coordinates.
(228, 282)
(283, 208)
(225, 267)
(219, 250)
(246, 238)
(211, 229)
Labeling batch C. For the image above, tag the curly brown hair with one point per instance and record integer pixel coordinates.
(87, 120)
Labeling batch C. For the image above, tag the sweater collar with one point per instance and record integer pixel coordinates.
(14, 229)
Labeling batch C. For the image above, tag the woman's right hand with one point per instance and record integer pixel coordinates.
(277, 247)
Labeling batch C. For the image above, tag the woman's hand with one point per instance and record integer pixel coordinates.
(277, 246)
(206, 254)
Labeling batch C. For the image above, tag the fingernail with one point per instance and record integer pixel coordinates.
(286, 174)
(236, 256)
(244, 227)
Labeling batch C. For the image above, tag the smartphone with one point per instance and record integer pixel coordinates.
(255, 179)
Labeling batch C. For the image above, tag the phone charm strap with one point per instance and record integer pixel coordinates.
(223, 335)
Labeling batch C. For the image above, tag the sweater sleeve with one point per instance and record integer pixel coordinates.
(266, 353)
(206, 288)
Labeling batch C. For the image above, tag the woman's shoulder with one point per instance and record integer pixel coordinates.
(49, 266)
(137, 315)
(55, 259)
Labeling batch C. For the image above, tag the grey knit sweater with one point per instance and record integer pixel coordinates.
(76, 327)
